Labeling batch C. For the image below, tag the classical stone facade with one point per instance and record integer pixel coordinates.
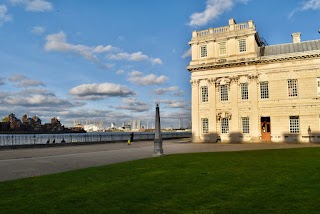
(244, 90)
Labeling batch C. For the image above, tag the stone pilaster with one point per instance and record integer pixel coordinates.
(233, 97)
(254, 98)
(212, 118)
(196, 126)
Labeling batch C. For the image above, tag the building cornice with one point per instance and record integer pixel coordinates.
(251, 61)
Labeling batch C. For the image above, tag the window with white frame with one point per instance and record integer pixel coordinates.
(242, 45)
(294, 124)
(224, 125)
(245, 125)
(205, 125)
(292, 88)
(203, 51)
(222, 48)
(318, 83)
(204, 94)
(264, 90)
(244, 91)
(224, 93)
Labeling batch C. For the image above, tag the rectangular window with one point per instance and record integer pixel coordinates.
(224, 125)
(264, 90)
(244, 91)
(203, 51)
(294, 124)
(205, 125)
(242, 45)
(245, 125)
(318, 83)
(222, 48)
(292, 88)
(204, 94)
(223, 92)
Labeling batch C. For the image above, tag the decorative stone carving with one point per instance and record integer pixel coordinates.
(248, 78)
(234, 79)
(223, 81)
(194, 83)
(224, 114)
(212, 81)
(253, 77)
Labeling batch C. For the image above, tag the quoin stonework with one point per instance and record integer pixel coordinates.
(244, 90)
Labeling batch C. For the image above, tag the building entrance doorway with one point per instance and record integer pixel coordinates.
(265, 129)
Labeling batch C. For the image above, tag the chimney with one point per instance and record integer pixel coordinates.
(296, 37)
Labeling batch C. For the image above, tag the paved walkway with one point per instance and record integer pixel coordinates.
(21, 163)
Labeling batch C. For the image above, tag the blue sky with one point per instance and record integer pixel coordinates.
(111, 61)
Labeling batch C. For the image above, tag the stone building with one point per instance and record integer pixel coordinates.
(244, 90)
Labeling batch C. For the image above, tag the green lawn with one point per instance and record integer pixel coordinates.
(270, 181)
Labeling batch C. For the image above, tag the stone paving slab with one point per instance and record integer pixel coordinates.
(21, 163)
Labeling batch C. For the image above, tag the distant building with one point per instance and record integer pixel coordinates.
(246, 91)
(180, 124)
(113, 125)
(54, 126)
(11, 124)
(139, 124)
(134, 124)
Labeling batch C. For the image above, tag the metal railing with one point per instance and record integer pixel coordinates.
(30, 139)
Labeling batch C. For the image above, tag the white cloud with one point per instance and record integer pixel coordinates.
(23, 81)
(136, 57)
(38, 30)
(119, 71)
(34, 5)
(311, 5)
(186, 54)
(179, 93)
(58, 42)
(133, 105)
(100, 91)
(103, 49)
(173, 104)
(39, 6)
(214, 8)
(2, 80)
(306, 5)
(156, 61)
(151, 79)
(106, 66)
(161, 91)
(33, 99)
(4, 17)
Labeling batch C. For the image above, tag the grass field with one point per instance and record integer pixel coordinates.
(269, 181)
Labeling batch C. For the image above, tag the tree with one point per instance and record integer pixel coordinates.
(5, 119)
